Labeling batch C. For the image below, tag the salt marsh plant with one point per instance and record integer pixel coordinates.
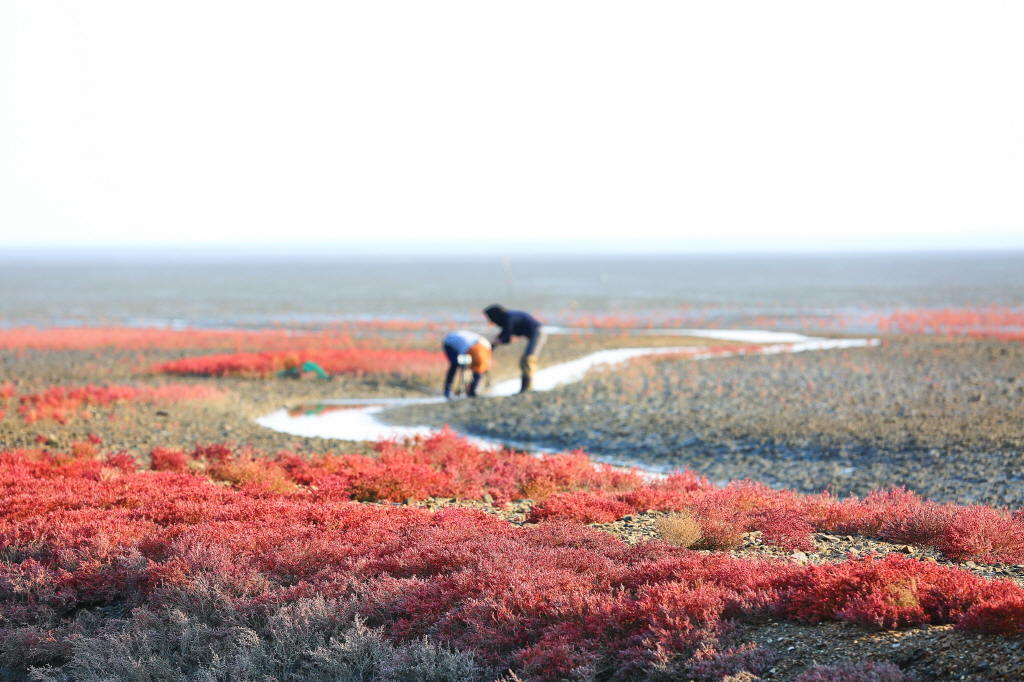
(408, 363)
(64, 403)
(215, 570)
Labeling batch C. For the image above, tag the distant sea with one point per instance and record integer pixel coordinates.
(224, 290)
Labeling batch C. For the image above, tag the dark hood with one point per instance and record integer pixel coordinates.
(496, 314)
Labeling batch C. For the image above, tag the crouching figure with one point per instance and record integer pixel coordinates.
(466, 349)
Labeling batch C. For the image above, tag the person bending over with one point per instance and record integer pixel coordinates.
(519, 323)
(466, 349)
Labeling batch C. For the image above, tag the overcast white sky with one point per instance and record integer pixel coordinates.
(549, 125)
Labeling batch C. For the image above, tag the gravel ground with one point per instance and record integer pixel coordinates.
(944, 418)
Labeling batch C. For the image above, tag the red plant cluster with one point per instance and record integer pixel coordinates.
(570, 487)
(960, 532)
(582, 507)
(63, 403)
(339, 336)
(788, 520)
(443, 465)
(890, 593)
(994, 322)
(146, 338)
(7, 393)
(333, 361)
(550, 601)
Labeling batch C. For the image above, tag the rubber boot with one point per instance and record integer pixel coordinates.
(529, 367)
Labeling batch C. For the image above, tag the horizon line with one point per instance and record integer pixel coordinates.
(436, 249)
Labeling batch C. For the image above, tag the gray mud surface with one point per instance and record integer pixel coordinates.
(942, 417)
(138, 428)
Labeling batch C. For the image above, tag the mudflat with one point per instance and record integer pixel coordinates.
(943, 417)
(137, 429)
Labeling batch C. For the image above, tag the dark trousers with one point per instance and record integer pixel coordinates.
(453, 367)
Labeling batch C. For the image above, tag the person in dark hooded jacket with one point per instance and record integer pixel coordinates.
(519, 323)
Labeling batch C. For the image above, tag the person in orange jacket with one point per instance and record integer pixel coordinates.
(465, 348)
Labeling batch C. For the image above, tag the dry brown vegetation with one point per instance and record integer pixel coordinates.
(679, 529)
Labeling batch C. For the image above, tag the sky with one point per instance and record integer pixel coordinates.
(660, 126)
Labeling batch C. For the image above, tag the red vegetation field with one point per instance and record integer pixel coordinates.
(570, 487)
(995, 322)
(81, 530)
(63, 403)
(346, 361)
(263, 340)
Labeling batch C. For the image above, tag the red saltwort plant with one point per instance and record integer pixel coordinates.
(342, 336)
(571, 487)
(333, 361)
(81, 529)
(997, 322)
(63, 403)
